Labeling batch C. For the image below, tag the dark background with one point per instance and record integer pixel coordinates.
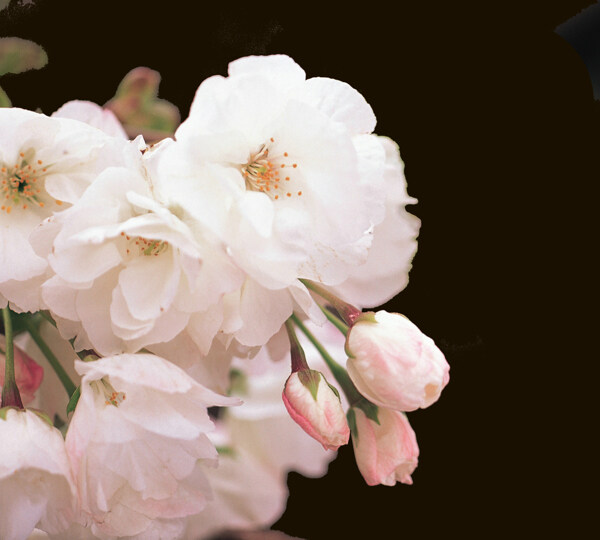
(497, 125)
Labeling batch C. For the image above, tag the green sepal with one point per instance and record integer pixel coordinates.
(366, 316)
(226, 451)
(351, 417)
(42, 415)
(310, 379)
(73, 401)
(333, 389)
(371, 410)
(4, 410)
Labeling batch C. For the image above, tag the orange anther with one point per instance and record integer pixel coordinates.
(299, 193)
(58, 202)
(276, 197)
(282, 165)
(41, 205)
(295, 165)
(39, 161)
(272, 139)
(287, 177)
(285, 154)
(289, 194)
(21, 154)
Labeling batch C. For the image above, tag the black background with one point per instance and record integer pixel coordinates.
(497, 125)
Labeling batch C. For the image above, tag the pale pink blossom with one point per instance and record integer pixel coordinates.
(316, 407)
(36, 487)
(393, 364)
(28, 374)
(387, 452)
(137, 444)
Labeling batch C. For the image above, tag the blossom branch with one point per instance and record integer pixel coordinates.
(340, 374)
(348, 312)
(338, 323)
(10, 391)
(52, 360)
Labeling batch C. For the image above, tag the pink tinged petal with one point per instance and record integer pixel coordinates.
(394, 364)
(321, 416)
(28, 373)
(340, 102)
(93, 115)
(262, 311)
(388, 452)
(35, 480)
(247, 495)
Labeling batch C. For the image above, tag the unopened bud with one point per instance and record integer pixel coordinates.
(393, 364)
(316, 407)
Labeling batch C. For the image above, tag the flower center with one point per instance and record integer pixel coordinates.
(273, 175)
(112, 397)
(138, 245)
(20, 184)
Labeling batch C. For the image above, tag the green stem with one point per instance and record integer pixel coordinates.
(296, 352)
(52, 360)
(348, 312)
(10, 391)
(340, 374)
(339, 324)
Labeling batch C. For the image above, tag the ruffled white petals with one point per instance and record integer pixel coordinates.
(138, 271)
(340, 102)
(137, 444)
(247, 495)
(385, 273)
(262, 312)
(36, 488)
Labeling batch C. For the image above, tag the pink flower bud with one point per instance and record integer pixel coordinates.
(393, 364)
(387, 452)
(315, 406)
(28, 374)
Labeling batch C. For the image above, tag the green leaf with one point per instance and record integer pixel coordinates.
(73, 401)
(18, 55)
(4, 100)
(138, 108)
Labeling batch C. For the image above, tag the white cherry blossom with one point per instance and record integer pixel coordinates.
(45, 165)
(137, 445)
(284, 170)
(129, 272)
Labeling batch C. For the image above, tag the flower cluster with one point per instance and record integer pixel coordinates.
(164, 285)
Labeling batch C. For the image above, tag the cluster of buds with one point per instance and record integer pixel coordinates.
(392, 368)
